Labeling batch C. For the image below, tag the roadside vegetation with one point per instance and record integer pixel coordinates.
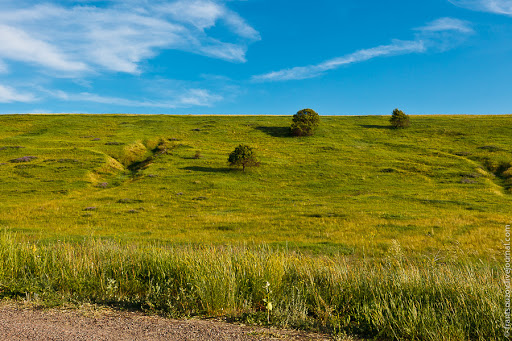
(394, 299)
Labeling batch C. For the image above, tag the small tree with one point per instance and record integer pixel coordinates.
(304, 122)
(399, 119)
(243, 156)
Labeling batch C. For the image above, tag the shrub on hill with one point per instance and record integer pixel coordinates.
(399, 119)
(243, 156)
(134, 153)
(305, 122)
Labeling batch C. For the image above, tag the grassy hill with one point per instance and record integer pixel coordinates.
(399, 231)
(352, 188)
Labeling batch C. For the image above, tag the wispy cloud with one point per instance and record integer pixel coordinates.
(116, 36)
(204, 14)
(447, 24)
(16, 44)
(188, 98)
(493, 6)
(444, 34)
(9, 95)
(437, 34)
(311, 71)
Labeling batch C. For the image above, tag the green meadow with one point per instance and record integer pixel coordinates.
(374, 228)
(352, 188)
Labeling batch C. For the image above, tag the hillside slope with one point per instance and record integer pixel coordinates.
(355, 186)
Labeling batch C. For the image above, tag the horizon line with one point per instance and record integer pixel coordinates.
(276, 115)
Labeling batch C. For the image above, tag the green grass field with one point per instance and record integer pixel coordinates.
(352, 188)
(360, 228)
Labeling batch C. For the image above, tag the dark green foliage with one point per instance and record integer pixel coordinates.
(399, 119)
(305, 122)
(243, 156)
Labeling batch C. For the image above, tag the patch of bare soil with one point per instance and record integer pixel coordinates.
(23, 322)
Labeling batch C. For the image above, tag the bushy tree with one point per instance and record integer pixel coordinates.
(399, 119)
(305, 122)
(243, 156)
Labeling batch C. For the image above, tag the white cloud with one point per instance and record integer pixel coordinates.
(493, 6)
(444, 34)
(9, 95)
(440, 34)
(16, 44)
(198, 97)
(225, 51)
(447, 24)
(117, 37)
(187, 98)
(311, 71)
(239, 26)
(201, 14)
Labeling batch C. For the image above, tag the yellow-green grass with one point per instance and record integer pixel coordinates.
(406, 226)
(352, 188)
(395, 299)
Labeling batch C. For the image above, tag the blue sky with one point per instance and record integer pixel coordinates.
(343, 57)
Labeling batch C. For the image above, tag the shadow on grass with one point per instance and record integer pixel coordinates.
(208, 169)
(375, 126)
(275, 131)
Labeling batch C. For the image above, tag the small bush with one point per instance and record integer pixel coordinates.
(305, 122)
(399, 119)
(134, 153)
(243, 156)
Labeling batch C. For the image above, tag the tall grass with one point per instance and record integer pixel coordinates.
(392, 299)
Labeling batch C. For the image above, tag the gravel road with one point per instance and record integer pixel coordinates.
(22, 322)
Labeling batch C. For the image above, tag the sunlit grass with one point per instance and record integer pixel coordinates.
(356, 184)
(360, 229)
(395, 298)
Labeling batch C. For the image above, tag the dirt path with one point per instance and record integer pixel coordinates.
(21, 322)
